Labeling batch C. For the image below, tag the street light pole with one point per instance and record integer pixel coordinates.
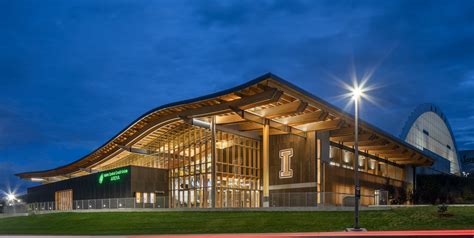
(357, 94)
(356, 162)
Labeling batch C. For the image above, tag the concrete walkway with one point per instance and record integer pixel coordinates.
(2, 215)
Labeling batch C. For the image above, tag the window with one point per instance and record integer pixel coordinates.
(372, 164)
(145, 197)
(138, 197)
(152, 198)
(347, 156)
(361, 161)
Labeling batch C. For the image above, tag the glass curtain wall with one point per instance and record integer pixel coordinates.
(190, 167)
(238, 171)
(187, 153)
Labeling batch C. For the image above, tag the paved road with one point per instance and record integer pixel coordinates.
(435, 233)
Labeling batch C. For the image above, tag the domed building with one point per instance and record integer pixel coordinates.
(428, 129)
(467, 161)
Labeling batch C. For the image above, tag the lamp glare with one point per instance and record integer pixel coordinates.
(357, 93)
(11, 197)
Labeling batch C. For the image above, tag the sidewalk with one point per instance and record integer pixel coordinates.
(3, 215)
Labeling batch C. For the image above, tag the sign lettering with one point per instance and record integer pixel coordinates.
(285, 157)
(112, 175)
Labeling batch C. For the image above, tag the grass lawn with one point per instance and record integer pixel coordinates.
(421, 218)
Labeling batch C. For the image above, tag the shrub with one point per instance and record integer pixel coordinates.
(442, 209)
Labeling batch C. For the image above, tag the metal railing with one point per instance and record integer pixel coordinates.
(294, 199)
(19, 207)
(107, 203)
(325, 199)
(117, 203)
(41, 206)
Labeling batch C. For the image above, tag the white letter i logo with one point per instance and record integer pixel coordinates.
(285, 157)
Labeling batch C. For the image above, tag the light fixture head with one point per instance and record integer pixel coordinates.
(357, 92)
(11, 197)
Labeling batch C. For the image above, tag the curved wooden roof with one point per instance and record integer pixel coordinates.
(288, 109)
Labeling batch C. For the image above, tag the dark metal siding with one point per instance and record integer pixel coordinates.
(88, 187)
(149, 180)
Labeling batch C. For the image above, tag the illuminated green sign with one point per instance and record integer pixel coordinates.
(112, 175)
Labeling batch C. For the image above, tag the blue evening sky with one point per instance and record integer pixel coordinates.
(74, 73)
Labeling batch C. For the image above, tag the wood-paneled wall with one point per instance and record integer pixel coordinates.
(63, 200)
(302, 163)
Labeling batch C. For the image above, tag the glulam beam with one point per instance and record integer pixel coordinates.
(304, 118)
(348, 131)
(250, 126)
(376, 142)
(245, 102)
(284, 109)
(322, 125)
(351, 138)
(228, 119)
(395, 155)
(256, 119)
(381, 149)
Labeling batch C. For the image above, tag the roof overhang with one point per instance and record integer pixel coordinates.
(287, 108)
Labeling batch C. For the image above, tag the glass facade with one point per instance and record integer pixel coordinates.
(429, 131)
(186, 151)
(190, 158)
(238, 171)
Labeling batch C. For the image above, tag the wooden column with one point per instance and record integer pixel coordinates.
(266, 164)
(324, 159)
(318, 170)
(366, 164)
(377, 167)
(213, 161)
(414, 181)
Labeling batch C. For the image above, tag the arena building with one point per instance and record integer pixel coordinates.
(467, 159)
(428, 129)
(264, 143)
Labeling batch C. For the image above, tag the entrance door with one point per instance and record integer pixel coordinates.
(380, 197)
(63, 200)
